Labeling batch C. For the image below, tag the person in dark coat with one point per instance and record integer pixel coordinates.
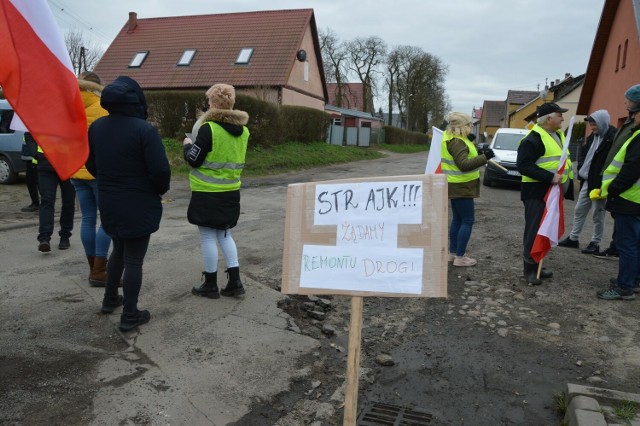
(538, 159)
(127, 157)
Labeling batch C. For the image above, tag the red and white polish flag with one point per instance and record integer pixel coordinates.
(37, 78)
(434, 161)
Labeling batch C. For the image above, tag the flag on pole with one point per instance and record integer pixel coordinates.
(37, 78)
(434, 161)
(552, 223)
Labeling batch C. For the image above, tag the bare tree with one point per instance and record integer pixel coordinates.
(334, 59)
(84, 54)
(367, 55)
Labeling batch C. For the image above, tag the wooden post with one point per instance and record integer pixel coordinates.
(539, 269)
(353, 363)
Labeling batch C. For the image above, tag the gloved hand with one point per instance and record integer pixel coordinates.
(595, 194)
(488, 152)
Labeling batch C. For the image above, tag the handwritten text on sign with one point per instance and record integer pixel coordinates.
(366, 256)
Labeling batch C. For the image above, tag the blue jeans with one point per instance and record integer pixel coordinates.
(627, 239)
(462, 220)
(95, 242)
(208, 238)
(48, 182)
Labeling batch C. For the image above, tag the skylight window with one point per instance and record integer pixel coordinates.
(187, 57)
(138, 59)
(244, 56)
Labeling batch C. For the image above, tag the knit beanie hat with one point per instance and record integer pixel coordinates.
(222, 96)
(90, 76)
(633, 93)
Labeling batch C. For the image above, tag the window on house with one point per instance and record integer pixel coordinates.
(624, 53)
(306, 71)
(244, 56)
(138, 59)
(618, 59)
(187, 57)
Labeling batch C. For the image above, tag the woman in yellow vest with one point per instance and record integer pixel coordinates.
(95, 242)
(461, 163)
(217, 159)
(621, 187)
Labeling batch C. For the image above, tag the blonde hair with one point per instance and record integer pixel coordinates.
(459, 124)
(221, 96)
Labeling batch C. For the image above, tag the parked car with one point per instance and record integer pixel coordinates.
(505, 146)
(10, 146)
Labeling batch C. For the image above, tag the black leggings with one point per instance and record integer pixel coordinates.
(126, 262)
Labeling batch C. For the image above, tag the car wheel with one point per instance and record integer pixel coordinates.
(7, 174)
(485, 179)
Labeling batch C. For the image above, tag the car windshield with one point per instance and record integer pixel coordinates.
(507, 141)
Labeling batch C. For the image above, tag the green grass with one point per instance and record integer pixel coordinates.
(560, 402)
(626, 410)
(282, 158)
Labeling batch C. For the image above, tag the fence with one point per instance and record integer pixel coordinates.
(349, 136)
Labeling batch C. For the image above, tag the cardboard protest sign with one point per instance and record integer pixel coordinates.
(383, 236)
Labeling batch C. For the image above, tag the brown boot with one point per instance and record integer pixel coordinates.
(91, 260)
(98, 276)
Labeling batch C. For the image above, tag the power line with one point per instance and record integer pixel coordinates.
(66, 15)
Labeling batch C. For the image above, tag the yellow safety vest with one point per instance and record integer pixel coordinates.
(632, 194)
(449, 168)
(221, 169)
(550, 160)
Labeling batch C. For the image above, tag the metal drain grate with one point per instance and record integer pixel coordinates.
(392, 415)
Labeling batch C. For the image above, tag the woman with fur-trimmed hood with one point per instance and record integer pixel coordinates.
(217, 159)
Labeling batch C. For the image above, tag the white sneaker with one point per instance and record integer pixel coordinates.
(464, 261)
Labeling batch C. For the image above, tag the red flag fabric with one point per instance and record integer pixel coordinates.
(434, 161)
(552, 223)
(38, 81)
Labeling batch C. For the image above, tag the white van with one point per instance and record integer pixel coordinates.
(505, 145)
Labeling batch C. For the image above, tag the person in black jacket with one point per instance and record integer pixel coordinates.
(620, 186)
(536, 180)
(591, 161)
(127, 157)
(48, 183)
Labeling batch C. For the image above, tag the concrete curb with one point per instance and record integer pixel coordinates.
(591, 406)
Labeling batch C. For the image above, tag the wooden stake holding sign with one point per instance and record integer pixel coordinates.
(383, 236)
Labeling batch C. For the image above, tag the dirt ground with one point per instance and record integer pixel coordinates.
(495, 352)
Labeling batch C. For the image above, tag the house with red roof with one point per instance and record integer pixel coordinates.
(614, 64)
(273, 55)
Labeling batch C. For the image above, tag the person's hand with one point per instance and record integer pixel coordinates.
(186, 141)
(556, 179)
(595, 194)
(488, 152)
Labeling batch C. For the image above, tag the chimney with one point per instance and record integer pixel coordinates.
(133, 21)
(557, 81)
(567, 75)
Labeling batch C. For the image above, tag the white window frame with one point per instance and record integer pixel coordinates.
(186, 58)
(244, 56)
(138, 59)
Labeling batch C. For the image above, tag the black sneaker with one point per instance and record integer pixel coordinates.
(568, 242)
(592, 248)
(616, 293)
(44, 246)
(129, 322)
(30, 208)
(108, 306)
(607, 254)
(64, 243)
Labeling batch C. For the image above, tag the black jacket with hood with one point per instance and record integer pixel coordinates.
(129, 161)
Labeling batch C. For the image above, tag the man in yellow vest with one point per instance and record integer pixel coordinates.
(621, 187)
(538, 159)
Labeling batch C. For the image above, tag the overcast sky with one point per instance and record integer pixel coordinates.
(489, 46)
